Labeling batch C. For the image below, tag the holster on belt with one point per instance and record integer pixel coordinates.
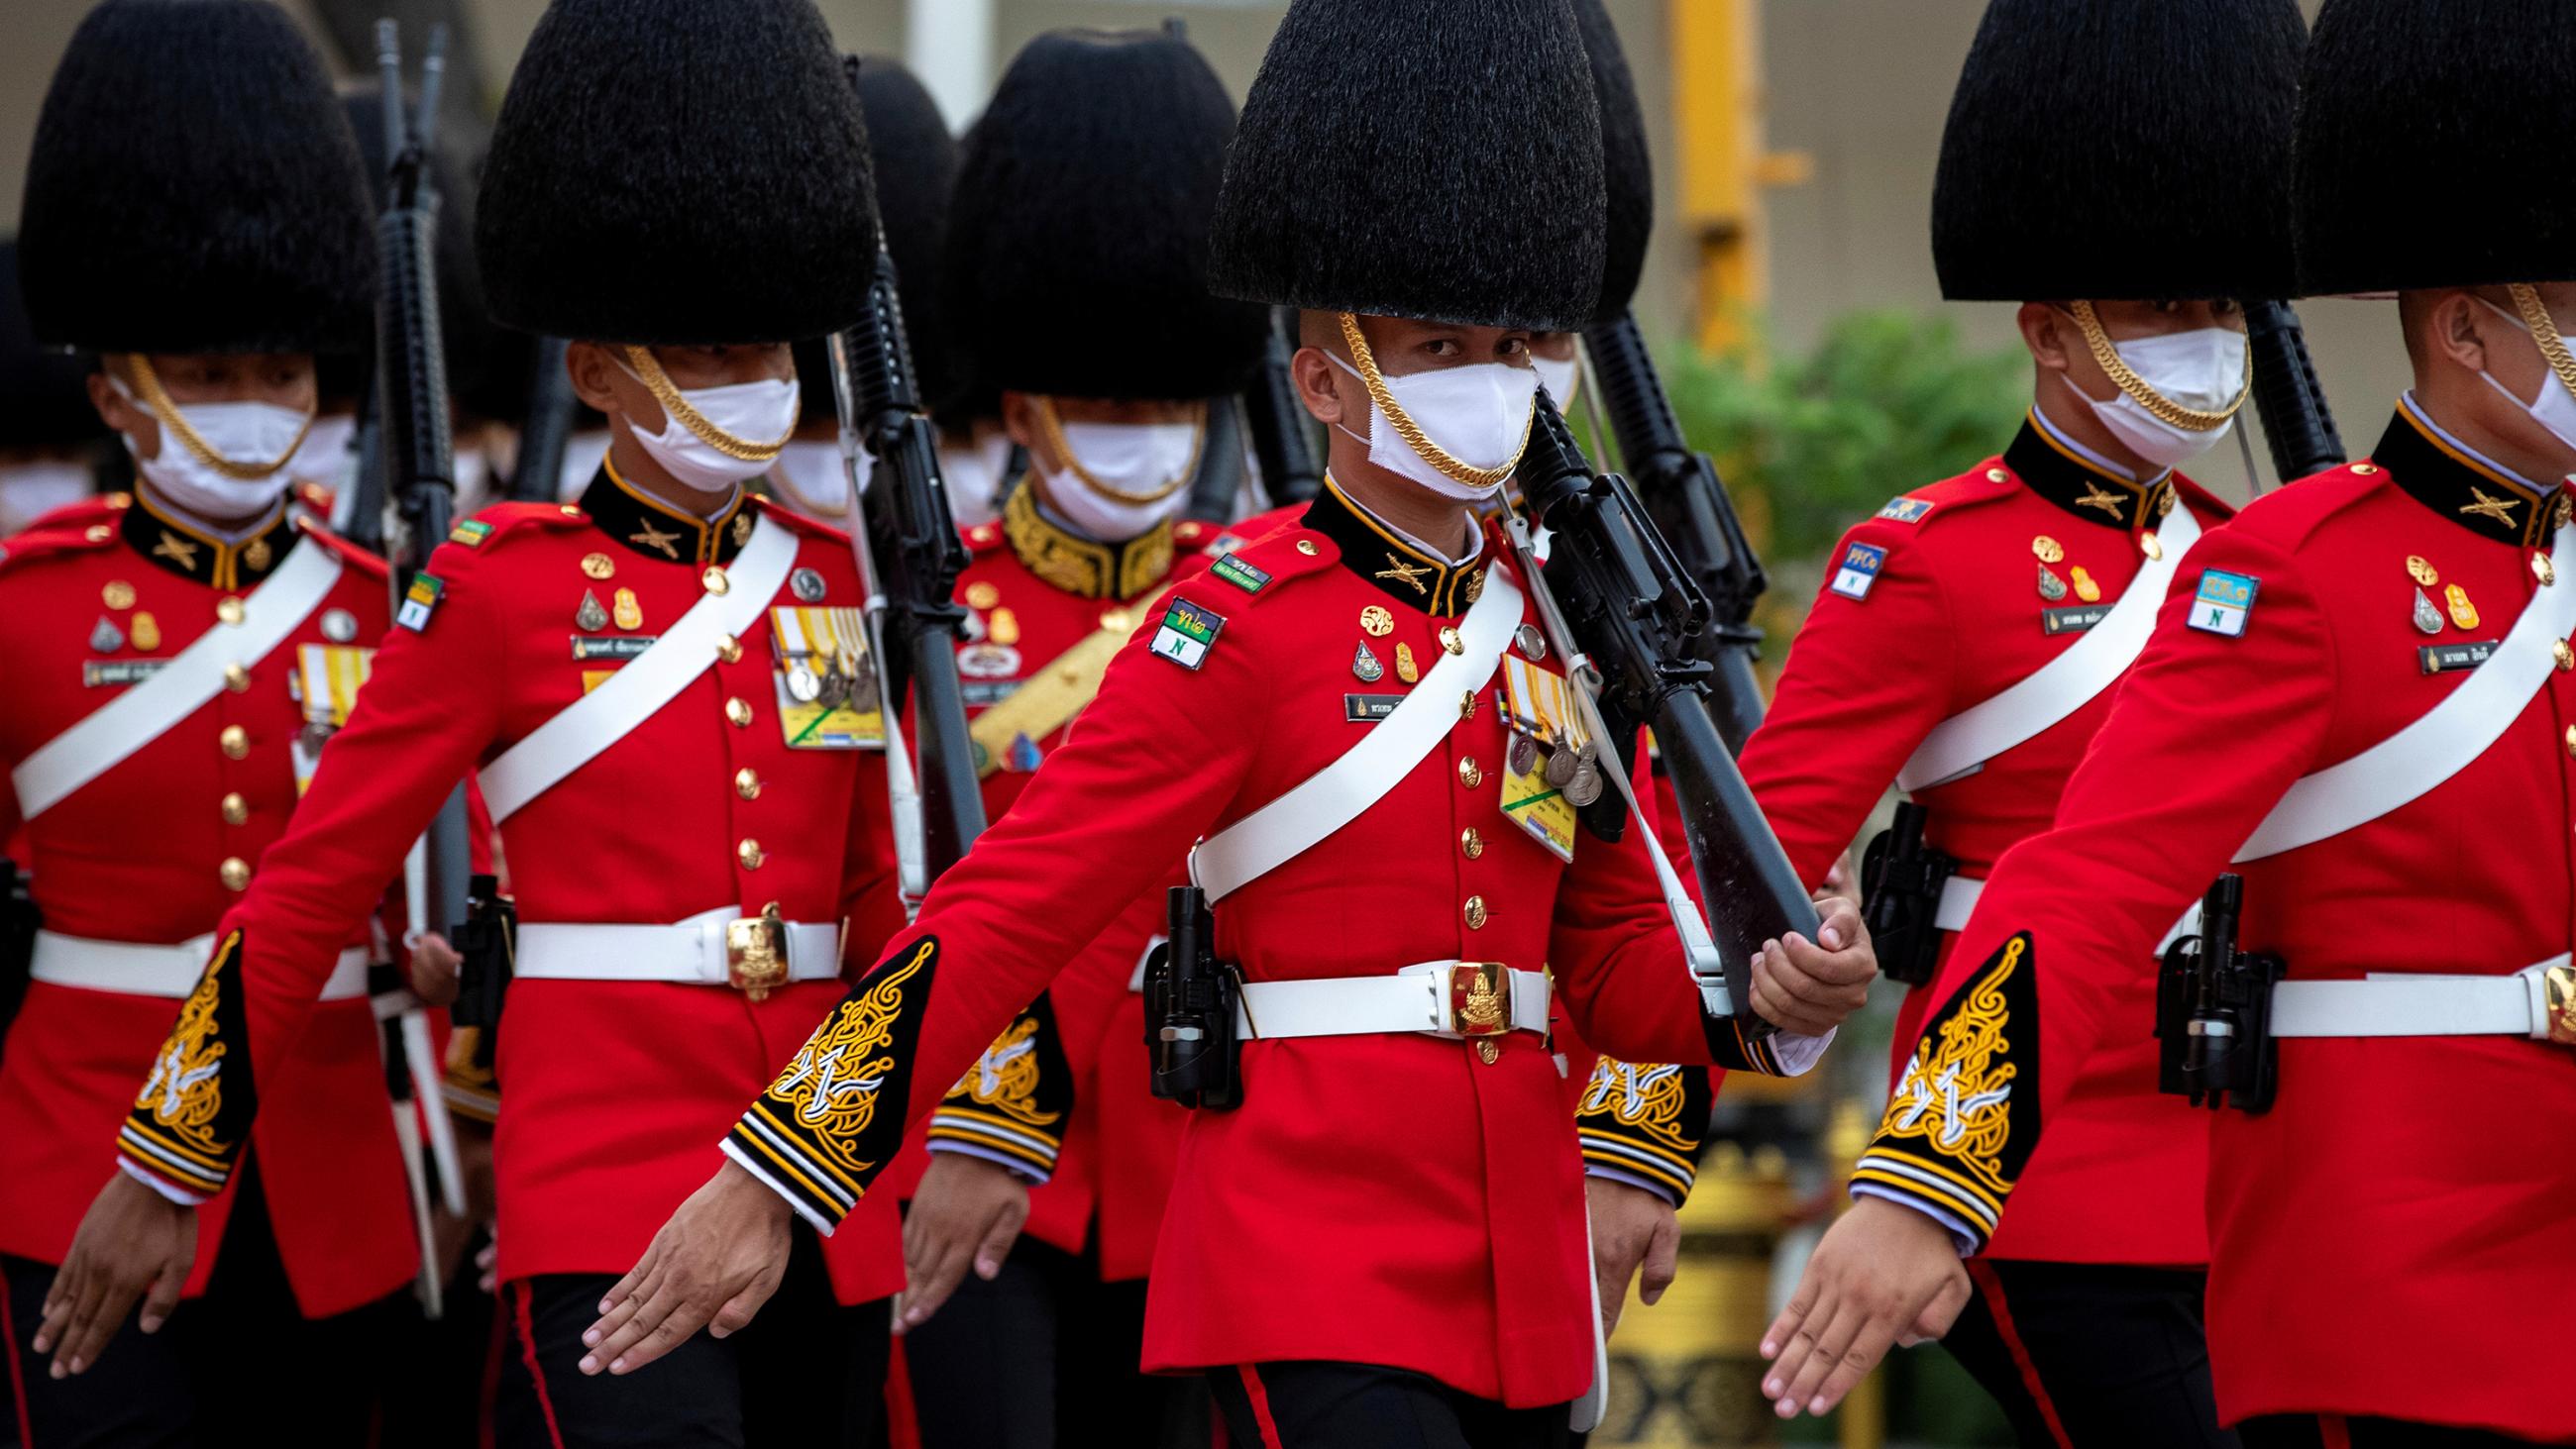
(2214, 1039)
(488, 940)
(1190, 1001)
(19, 919)
(1901, 879)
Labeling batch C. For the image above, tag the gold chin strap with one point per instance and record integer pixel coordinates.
(2188, 419)
(2544, 330)
(1405, 428)
(648, 371)
(1051, 428)
(147, 383)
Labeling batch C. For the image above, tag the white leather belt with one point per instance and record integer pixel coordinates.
(1436, 998)
(2409, 1005)
(133, 968)
(704, 950)
(1960, 893)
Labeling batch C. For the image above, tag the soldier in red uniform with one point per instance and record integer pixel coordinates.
(2359, 697)
(1384, 1241)
(1074, 278)
(659, 687)
(1969, 638)
(196, 220)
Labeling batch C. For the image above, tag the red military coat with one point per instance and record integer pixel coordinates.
(2373, 1238)
(1385, 1199)
(612, 1092)
(155, 851)
(1955, 614)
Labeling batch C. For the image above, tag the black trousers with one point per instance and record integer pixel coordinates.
(2092, 1356)
(1046, 1354)
(1313, 1405)
(807, 1372)
(240, 1365)
(2335, 1431)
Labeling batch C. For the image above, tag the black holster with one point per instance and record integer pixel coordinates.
(488, 940)
(1190, 1000)
(1900, 881)
(2214, 1012)
(19, 919)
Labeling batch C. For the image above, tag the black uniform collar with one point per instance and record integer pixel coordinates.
(658, 531)
(2057, 473)
(1079, 565)
(1398, 569)
(2474, 494)
(185, 549)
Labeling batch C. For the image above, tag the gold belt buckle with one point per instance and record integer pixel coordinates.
(2560, 982)
(756, 953)
(1480, 1004)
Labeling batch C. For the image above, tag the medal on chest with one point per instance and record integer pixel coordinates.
(827, 694)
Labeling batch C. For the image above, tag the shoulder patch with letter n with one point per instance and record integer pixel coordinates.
(1858, 570)
(1187, 633)
(2224, 602)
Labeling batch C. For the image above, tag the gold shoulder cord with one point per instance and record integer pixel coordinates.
(2544, 330)
(1053, 430)
(648, 371)
(166, 412)
(1413, 435)
(2136, 387)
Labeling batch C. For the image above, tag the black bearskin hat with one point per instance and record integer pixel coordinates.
(2128, 149)
(2471, 84)
(44, 395)
(916, 170)
(1627, 170)
(1419, 158)
(680, 172)
(1077, 248)
(194, 188)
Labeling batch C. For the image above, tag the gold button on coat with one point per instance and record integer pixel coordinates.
(2543, 570)
(236, 810)
(728, 649)
(229, 610)
(1450, 641)
(739, 711)
(236, 678)
(2150, 545)
(1470, 774)
(750, 854)
(235, 742)
(2571, 739)
(236, 873)
(1475, 913)
(2564, 653)
(715, 580)
(746, 783)
(1472, 842)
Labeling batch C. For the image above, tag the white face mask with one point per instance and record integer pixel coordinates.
(1478, 414)
(247, 434)
(1559, 378)
(28, 490)
(810, 476)
(1132, 476)
(973, 474)
(324, 456)
(758, 415)
(2555, 408)
(2202, 370)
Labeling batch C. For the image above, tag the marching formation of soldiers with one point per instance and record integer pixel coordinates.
(1126, 840)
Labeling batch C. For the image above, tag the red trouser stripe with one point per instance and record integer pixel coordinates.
(528, 1351)
(1991, 1288)
(1259, 1398)
(17, 1374)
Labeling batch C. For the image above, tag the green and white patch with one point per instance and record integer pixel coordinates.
(1188, 631)
(1240, 574)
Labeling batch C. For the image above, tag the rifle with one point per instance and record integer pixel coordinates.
(2296, 421)
(1280, 441)
(1613, 587)
(19, 922)
(2214, 1012)
(551, 405)
(1219, 479)
(417, 456)
(1686, 502)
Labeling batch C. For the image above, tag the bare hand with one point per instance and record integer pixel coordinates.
(967, 1210)
(133, 1243)
(1809, 987)
(1884, 1274)
(437, 972)
(1837, 880)
(1631, 1229)
(712, 1266)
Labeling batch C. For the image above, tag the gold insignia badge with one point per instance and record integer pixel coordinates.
(184, 1091)
(1648, 1098)
(756, 953)
(1957, 1090)
(1475, 586)
(2560, 982)
(628, 613)
(147, 632)
(2085, 589)
(2484, 506)
(2421, 571)
(257, 553)
(1410, 575)
(598, 566)
(2463, 613)
(1005, 1078)
(118, 594)
(982, 594)
(1004, 627)
(2048, 550)
(831, 1087)
(651, 537)
(742, 528)
(2097, 496)
(1405, 668)
(1376, 621)
(176, 549)
(1479, 1008)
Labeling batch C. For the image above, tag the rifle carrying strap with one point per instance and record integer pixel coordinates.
(1057, 692)
(652, 679)
(1339, 793)
(2065, 684)
(108, 735)
(2440, 743)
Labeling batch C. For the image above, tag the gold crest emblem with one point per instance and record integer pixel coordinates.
(1648, 1098)
(1005, 1078)
(1956, 1093)
(831, 1087)
(184, 1091)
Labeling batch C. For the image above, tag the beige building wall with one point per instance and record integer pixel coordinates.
(1861, 85)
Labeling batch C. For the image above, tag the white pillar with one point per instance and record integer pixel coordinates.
(949, 44)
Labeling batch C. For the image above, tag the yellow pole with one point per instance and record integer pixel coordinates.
(1723, 165)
